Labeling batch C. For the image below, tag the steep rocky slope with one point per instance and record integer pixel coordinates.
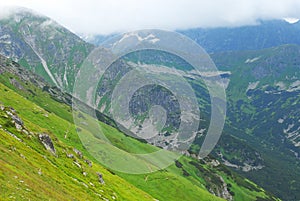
(43, 46)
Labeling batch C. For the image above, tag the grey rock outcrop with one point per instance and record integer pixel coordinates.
(47, 142)
(11, 112)
(89, 162)
(100, 178)
(78, 152)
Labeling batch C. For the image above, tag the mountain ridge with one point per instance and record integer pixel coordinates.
(43, 46)
(240, 97)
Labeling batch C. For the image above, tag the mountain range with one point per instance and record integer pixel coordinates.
(260, 141)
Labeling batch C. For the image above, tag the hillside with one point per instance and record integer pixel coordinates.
(256, 138)
(43, 46)
(262, 127)
(264, 110)
(43, 114)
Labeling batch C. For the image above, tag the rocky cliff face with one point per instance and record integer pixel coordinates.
(43, 46)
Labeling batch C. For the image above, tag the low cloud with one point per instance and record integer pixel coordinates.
(105, 17)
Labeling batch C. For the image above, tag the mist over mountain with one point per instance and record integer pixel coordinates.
(257, 157)
(263, 34)
(43, 46)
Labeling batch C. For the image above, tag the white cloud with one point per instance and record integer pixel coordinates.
(107, 16)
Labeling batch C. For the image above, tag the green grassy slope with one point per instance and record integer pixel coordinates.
(29, 171)
(42, 114)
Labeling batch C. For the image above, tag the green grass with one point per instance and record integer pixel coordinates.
(60, 179)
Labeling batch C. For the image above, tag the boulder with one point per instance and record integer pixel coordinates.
(47, 142)
(78, 152)
(70, 155)
(100, 178)
(11, 112)
(89, 162)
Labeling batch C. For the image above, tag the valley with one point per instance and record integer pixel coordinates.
(256, 158)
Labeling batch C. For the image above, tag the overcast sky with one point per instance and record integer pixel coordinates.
(105, 17)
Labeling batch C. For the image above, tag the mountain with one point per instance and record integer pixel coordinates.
(46, 48)
(268, 82)
(262, 125)
(262, 128)
(264, 102)
(264, 34)
(39, 150)
(43, 46)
